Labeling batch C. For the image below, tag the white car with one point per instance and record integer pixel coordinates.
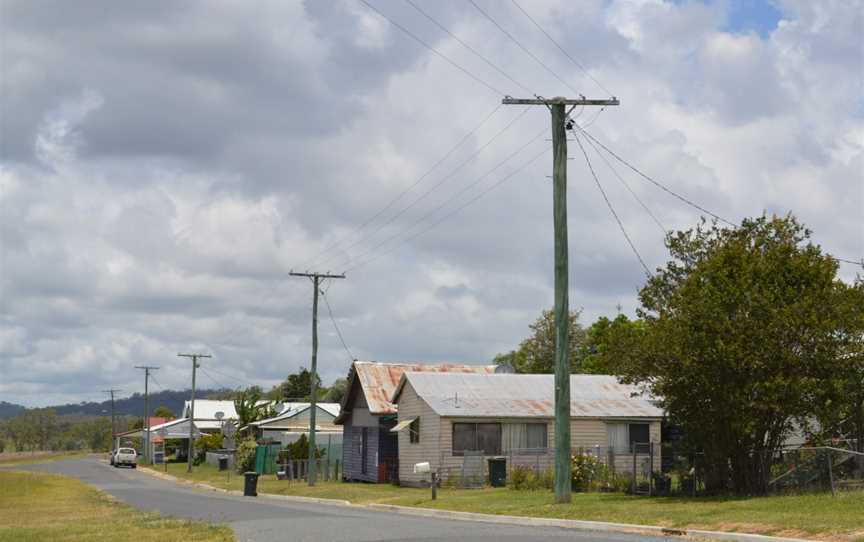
(124, 456)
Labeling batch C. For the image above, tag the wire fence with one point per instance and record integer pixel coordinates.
(650, 469)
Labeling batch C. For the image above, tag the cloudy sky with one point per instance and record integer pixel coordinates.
(164, 165)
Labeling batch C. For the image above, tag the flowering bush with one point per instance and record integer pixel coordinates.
(245, 455)
(586, 472)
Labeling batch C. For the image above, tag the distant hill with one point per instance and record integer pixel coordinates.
(129, 406)
(7, 410)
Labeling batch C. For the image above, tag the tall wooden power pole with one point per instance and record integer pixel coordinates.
(316, 281)
(562, 304)
(113, 425)
(145, 428)
(190, 449)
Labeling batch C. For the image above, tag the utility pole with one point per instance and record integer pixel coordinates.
(195, 365)
(561, 123)
(146, 427)
(113, 425)
(316, 281)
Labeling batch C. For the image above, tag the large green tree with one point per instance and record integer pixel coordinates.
(163, 411)
(536, 354)
(297, 387)
(605, 342)
(840, 407)
(739, 335)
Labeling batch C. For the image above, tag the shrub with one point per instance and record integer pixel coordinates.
(524, 478)
(299, 449)
(245, 455)
(587, 472)
(204, 444)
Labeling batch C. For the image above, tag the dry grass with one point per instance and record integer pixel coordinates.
(30, 458)
(37, 507)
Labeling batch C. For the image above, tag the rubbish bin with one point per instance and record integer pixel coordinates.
(250, 485)
(223, 462)
(498, 472)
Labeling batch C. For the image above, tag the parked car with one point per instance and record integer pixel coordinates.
(124, 456)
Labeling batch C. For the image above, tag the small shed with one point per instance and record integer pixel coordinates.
(446, 418)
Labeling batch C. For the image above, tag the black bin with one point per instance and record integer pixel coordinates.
(498, 472)
(250, 485)
(223, 463)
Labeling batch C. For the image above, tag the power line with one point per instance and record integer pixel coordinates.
(652, 181)
(476, 53)
(453, 197)
(401, 194)
(853, 262)
(627, 186)
(656, 183)
(454, 211)
(338, 331)
(593, 119)
(218, 384)
(560, 48)
(611, 209)
(245, 382)
(525, 49)
(435, 186)
(434, 50)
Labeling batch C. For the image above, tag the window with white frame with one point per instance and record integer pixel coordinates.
(485, 437)
(624, 436)
(524, 437)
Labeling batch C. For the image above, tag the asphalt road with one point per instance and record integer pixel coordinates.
(262, 519)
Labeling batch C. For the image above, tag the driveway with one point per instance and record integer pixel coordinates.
(263, 519)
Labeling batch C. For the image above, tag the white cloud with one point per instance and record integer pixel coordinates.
(221, 145)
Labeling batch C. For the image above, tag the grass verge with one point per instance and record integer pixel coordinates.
(32, 458)
(38, 506)
(820, 516)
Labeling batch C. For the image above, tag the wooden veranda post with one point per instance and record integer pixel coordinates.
(560, 123)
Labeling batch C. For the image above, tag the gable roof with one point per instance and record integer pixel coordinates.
(377, 381)
(293, 409)
(206, 409)
(527, 396)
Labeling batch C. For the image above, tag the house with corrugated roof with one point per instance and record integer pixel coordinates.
(293, 421)
(370, 449)
(504, 420)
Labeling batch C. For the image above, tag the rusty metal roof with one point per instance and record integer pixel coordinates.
(528, 396)
(379, 380)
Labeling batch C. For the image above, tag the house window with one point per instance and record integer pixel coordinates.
(639, 437)
(524, 437)
(414, 431)
(485, 437)
(624, 436)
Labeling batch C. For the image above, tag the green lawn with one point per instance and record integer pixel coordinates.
(820, 516)
(38, 506)
(30, 458)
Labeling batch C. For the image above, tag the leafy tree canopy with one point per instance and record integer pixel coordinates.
(164, 412)
(536, 354)
(739, 335)
(249, 407)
